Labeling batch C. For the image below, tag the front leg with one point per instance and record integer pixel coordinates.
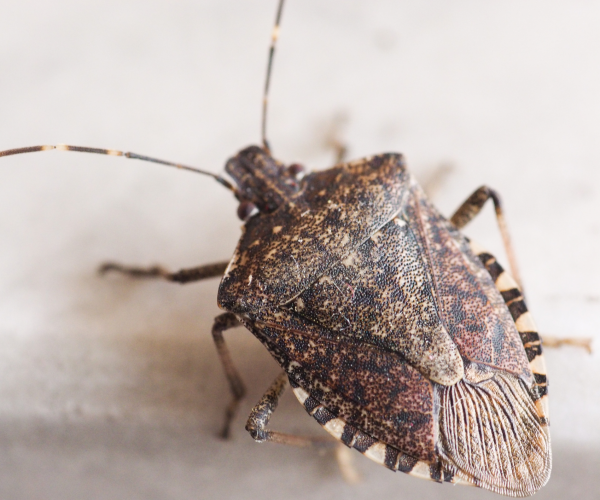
(182, 276)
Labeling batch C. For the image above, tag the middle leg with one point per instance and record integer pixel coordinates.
(222, 323)
(261, 415)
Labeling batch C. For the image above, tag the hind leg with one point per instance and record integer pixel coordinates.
(472, 206)
(261, 415)
(583, 342)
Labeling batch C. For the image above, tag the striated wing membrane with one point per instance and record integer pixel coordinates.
(492, 432)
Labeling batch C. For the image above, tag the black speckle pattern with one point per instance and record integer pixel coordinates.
(470, 305)
(348, 435)
(435, 471)
(371, 301)
(310, 404)
(406, 463)
(323, 415)
(363, 442)
(391, 457)
(517, 308)
(281, 252)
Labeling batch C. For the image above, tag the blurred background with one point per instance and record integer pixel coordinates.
(112, 388)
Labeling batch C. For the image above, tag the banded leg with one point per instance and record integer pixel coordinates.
(514, 297)
(223, 322)
(472, 206)
(182, 276)
(261, 415)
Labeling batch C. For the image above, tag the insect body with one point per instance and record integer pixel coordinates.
(399, 336)
(396, 335)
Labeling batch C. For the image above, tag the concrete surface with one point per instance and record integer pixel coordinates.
(111, 388)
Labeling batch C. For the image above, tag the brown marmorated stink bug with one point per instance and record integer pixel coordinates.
(403, 339)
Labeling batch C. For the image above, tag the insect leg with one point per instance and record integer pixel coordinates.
(182, 276)
(583, 342)
(340, 150)
(436, 179)
(515, 302)
(334, 137)
(261, 414)
(472, 206)
(224, 322)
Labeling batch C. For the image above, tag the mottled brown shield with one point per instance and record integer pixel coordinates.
(397, 334)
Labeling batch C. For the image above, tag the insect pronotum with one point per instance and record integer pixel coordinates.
(325, 309)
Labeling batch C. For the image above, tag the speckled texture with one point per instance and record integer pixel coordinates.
(472, 309)
(112, 388)
(370, 388)
(381, 295)
(281, 253)
(381, 317)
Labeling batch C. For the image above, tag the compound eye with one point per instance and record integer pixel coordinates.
(246, 209)
(296, 170)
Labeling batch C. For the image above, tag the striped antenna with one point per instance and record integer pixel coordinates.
(274, 37)
(113, 152)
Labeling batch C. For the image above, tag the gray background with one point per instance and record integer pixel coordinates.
(111, 388)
